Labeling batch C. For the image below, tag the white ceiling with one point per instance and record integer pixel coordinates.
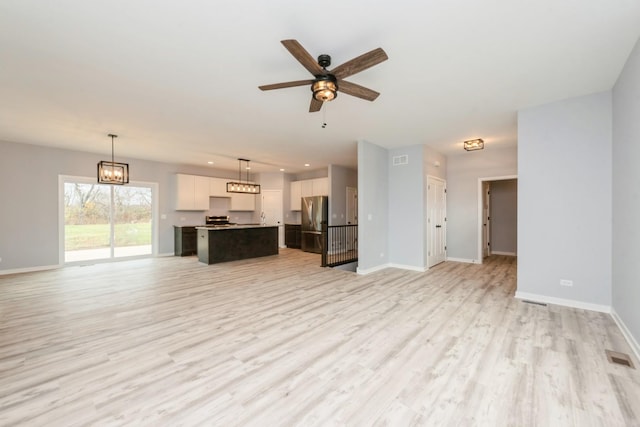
(178, 80)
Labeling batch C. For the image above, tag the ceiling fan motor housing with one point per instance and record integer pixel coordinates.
(324, 61)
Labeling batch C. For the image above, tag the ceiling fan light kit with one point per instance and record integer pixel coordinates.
(326, 83)
(474, 144)
(325, 88)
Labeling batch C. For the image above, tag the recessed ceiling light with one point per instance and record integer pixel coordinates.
(281, 170)
(307, 164)
(210, 162)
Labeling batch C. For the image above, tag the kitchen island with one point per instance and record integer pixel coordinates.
(234, 242)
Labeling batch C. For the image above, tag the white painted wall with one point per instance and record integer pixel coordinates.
(463, 172)
(504, 216)
(564, 196)
(626, 197)
(373, 202)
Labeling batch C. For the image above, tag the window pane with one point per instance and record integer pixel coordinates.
(132, 220)
(86, 221)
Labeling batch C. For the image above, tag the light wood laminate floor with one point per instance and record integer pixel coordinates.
(281, 341)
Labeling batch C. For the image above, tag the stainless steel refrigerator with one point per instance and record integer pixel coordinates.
(315, 211)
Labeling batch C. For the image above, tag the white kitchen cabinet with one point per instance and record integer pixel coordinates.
(192, 192)
(296, 194)
(242, 202)
(218, 187)
(320, 187)
(306, 188)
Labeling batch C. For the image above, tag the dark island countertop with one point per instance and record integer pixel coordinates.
(232, 226)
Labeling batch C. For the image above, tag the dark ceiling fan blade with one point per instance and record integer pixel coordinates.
(315, 105)
(285, 84)
(303, 56)
(360, 63)
(357, 90)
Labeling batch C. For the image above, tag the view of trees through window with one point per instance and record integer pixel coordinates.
(103, 221)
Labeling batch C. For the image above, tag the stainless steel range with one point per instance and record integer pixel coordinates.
(220, 220)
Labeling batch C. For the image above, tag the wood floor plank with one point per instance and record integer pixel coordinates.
(281, 341)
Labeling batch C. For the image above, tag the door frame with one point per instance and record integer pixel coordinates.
(486, 232)
(480, 207)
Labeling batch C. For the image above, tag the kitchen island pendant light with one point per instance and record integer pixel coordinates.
(240, 186)
(113, 172)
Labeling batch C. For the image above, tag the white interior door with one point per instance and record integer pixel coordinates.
(436, 221)
(272, 209)
(486, 219)
(352, 205)
(352, 217)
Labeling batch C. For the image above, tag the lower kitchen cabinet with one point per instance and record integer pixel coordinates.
(185, 241)
(292, 235)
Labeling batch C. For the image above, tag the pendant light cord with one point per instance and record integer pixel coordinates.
(112, 156)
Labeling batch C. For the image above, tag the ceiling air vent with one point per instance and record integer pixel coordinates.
(400, 160)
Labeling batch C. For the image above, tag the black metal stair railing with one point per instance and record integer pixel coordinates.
(339, 244)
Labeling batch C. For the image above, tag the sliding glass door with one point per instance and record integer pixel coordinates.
(106, 221)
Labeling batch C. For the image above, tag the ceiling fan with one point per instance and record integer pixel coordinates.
(326, 83)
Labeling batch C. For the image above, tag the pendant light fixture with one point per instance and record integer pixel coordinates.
(240, 186)
(113, 172)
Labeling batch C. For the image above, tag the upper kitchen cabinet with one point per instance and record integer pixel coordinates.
(320, 187)
(307, 188)
(296, 195)
(242, 202)
(192, 192)
(218, 187)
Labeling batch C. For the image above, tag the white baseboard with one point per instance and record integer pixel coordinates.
(29, 269)
(390, 265)
(503, 253)
(627, 335)
(372, 269)
(408, 267)
(564, 302)
(468, 261)
(166, 254)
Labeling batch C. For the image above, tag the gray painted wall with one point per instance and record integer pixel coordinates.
(626, 195)
(504, 216)
(29, 213)
(564, 189)
(406, 208)
(463, 172)
(373, 202)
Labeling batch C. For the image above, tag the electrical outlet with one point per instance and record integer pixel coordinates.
(564, 282)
